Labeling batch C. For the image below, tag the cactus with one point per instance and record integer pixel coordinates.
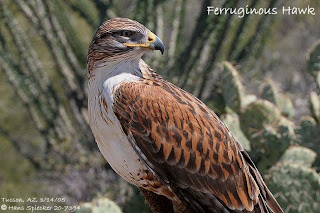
(299, 155)
(264, 125)
(295, 184)
(233, 123)
(232, 89)
(135, 202)
(308, 131)
(270, 92)
(286, 129)
(309, 136)
(315, 106)
(248, 99)
(270, 133)
(268, 147)
(258, 114)
(216, 102)
(286, 106)
(100, 205)
(313, 62)
(265, 147)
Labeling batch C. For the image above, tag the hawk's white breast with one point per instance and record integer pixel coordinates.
(112, 141)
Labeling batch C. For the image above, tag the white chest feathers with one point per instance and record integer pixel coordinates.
(111, 139)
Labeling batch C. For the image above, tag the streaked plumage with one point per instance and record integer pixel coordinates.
(161, 138)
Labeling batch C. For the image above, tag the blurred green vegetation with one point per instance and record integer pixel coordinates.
(267, 94)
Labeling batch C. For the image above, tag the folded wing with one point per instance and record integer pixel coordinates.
(188, 148)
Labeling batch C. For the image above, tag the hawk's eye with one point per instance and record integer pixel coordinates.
(126, 33)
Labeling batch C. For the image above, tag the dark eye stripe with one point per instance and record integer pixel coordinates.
(104, 35)
(124, 33)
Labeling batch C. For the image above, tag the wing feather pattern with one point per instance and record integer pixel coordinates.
(188, 148)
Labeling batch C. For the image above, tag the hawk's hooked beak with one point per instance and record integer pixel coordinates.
(153, 43)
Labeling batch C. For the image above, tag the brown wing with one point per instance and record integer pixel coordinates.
(188, 148)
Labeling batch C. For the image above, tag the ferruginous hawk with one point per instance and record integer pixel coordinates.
(161, 138)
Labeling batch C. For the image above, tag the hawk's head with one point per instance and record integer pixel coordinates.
(121, 39)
